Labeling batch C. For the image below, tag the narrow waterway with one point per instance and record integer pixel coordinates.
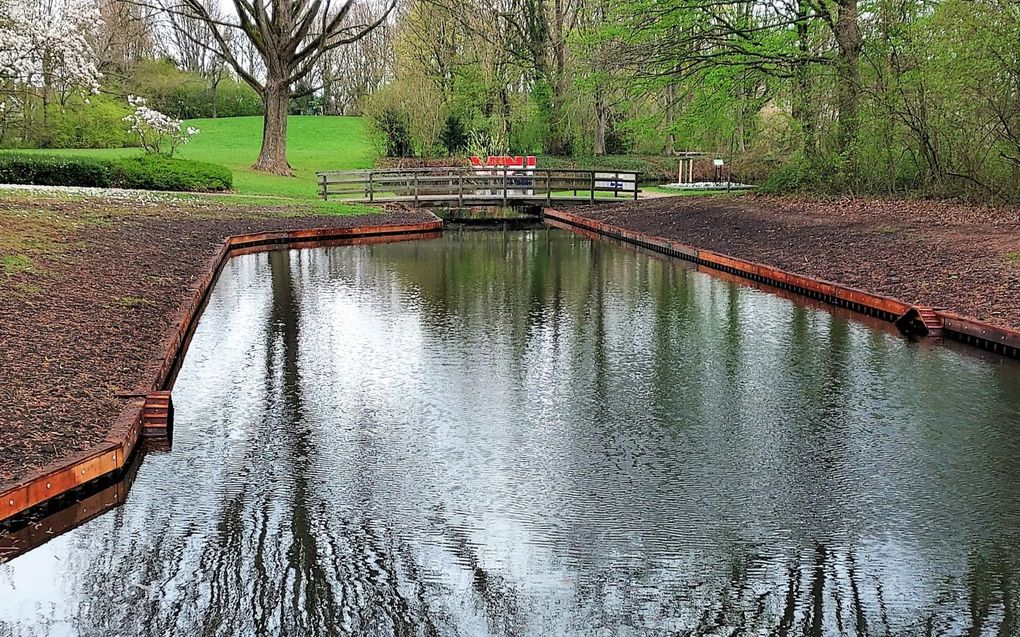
(530, 433)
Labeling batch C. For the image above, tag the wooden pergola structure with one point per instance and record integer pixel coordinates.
(685, 175)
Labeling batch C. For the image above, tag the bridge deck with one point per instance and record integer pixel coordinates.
(482, 200)
(478, 187)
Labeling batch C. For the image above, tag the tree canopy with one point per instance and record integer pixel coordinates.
(879, 96)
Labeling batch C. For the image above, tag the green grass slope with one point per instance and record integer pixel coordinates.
(313, 144)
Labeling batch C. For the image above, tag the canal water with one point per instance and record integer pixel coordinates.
(530, 433)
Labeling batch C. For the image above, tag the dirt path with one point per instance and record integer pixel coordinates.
(90, 287)
(960, 257)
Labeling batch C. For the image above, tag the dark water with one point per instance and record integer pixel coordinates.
(533, 434)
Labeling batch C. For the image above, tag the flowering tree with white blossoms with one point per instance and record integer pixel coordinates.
(158, 133)
(44, 50)
(44, 43)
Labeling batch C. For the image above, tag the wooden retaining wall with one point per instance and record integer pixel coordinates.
(114, 452)
(967, 330)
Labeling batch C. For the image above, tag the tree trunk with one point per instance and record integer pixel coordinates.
(849, 43)
(215, 96)
(557, 143)
(601, 124)
(802, 110)
(328, 105)
(273, 156)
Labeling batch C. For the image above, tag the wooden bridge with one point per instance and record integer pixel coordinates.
(472, 186)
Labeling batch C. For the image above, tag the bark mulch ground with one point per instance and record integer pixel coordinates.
(961, 257)
(89, 289)
(90, 286)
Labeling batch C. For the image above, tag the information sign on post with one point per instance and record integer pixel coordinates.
(623, 182)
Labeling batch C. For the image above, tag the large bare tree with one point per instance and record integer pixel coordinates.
(290, 38)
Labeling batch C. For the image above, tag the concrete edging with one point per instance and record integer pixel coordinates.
(967, 330)
(121, 441)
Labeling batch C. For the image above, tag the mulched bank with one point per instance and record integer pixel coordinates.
(85, 319)
(961, 257)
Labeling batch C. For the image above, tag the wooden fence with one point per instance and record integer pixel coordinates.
(472, 186)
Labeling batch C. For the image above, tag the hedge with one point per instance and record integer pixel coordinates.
(144, 173)
(158, 173)
(54, 170)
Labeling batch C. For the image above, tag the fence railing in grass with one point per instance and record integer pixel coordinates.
(464, 186)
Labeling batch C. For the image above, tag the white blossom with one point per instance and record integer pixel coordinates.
(46, 42)
(158, 133)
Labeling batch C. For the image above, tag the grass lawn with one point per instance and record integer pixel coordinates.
(313, 144)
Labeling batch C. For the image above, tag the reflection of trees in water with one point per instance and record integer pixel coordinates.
(283, 560)
(817, 591)
(823, 591)
(496, 597)
(279, 561)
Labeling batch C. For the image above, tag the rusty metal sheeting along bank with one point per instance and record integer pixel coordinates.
(148, 408)
(920, 320)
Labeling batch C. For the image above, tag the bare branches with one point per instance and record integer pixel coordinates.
(290, 37)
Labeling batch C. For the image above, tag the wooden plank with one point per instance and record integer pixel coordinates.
(490, 186)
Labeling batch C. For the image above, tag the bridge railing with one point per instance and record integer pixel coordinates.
(474, 186)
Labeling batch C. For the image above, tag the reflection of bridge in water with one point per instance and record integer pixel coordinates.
(489, 186)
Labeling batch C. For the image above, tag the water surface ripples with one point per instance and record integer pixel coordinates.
(528, 433)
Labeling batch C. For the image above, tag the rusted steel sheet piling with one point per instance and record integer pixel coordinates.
(56, 519)
(933, 322)
(158, 415)
(149, 409)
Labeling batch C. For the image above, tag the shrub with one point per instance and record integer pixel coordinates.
(187, 95)
(653, 169)
(54, 170)
(145, 173)
(234, 99)
(620, 139)
(151, 172)
(395, 127)
(454, 136)
(801, 175)
(158, 133)
(97, 124)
